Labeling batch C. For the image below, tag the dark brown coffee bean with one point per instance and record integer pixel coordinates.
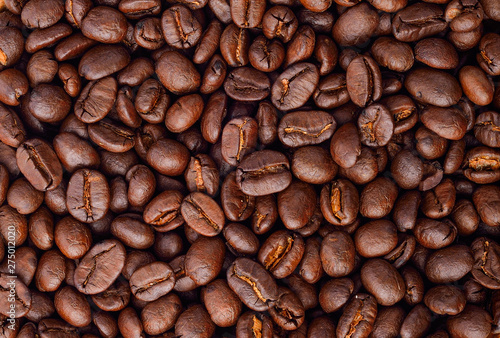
(486, 261)
(358, 316)
(222, 303)
(247, 14)
(345, 34)
(481, 165)
(337, 254)
(252, 283)
(288, 312)
(440, 269)
(160, 315)
(111, 136)
(13, 85)
(429, 144)
(335, 293)
(204, 260)
(100, 267)
(11, 46)
(72, 306)
(195, 321)
(340, 202)
(384, 48)
(388, 321)
(137, 10)
(313, 164)
(383, 281)
(376, 238)
(103, 60)
(152, 281)
(436, 53)
(202, 214)
(472, 320)
(486, 199)
(163, 211)
(485, 129)
(72, 237)
(294, 86)
(50, 272)
(247, 84)
(488, 53)
(177, 73)
(445, 300)
(364, 80)
(432, 86)
(302, 128)
(237, 206)
(296, 193)
(180, 28)
(214, 75)
(96, 100)
(168, 157)
(104, 24)
(251, 323)
(263, 172)
(39, 14)
(281, 253)
(417, 322)
(418, 21)
(39, 164)
(345, 146)
(331, 92)
(446, 122)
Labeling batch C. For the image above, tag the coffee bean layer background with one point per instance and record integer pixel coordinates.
(250, 168)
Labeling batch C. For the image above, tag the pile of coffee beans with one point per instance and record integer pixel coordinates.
(249, 168)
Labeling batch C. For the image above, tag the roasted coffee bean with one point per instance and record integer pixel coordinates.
(103, 60)
(302, 128)
(358, 316)
(462, 325)
(202, 214)
(252, 283)
(222, 303)
(375, 125)
(294, 86)
(247, 84)
(438, 268)
(160, 315)
(104, 24)
(417, 322)
(180, 28)
(195, 321)
(88, 195)
(337, 254)
(177, 73)
(263, 172)
(434, 87)
(152, 281)
(481, 165)
(364, 80)
(486, 128)
(38, 162)
(151, 101)
(96, 100)
(340, 202)
(313, 164)
(345, 34)
(288, 311)
(418, 21)
(281, 253)
(204, 259)
(168, 157)
(485, 269)
(100, 267)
